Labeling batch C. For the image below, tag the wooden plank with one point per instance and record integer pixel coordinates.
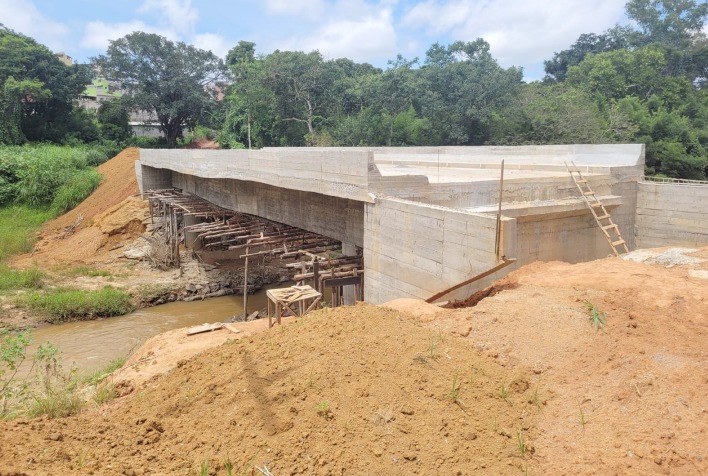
(503, 264)
(232, 328)
(204, 328)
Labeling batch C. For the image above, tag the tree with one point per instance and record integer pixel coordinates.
(460, 88)
(550, 114)
(671, 22)
(175, 81)
(38, 90)
(114, 120)
(614, 39)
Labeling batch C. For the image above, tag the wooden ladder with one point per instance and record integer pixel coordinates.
(598, 210)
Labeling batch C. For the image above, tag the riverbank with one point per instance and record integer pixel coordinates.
(524, 382)
(98, 244)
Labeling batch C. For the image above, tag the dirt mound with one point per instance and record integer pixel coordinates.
(520, 383)
(111, 214)
(349, 391)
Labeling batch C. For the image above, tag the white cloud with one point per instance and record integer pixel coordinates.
(25, 18)
(519, 31)
(354, 29)
(217, 44)
(176, 15)
(311, 9)
(97, 34)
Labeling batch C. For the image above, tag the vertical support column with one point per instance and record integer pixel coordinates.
(190, 237)
(348, 292)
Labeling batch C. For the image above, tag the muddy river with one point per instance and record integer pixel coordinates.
(92, 344)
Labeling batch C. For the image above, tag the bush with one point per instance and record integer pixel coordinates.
(73, 304)
(19, 279)
(75, 190)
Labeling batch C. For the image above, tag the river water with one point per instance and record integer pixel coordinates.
(91, 345)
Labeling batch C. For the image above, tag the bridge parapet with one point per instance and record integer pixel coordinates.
(333, 172)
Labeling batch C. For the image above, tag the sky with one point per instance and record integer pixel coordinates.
(520, 32)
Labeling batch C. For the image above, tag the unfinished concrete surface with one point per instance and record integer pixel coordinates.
(424, 217)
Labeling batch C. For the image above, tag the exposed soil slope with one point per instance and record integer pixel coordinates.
(112, 214)
(353, 391)
(365, 390)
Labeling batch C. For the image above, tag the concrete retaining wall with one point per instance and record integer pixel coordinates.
(416, 250)
(671, 215)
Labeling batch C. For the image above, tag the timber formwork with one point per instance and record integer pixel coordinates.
(305, 257)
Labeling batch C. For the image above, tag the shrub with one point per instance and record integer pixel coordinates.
(73, 304)
(75, 190)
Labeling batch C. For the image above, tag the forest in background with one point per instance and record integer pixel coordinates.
(645, 82)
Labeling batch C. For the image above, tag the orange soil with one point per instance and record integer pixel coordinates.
(369, 390)
(112, 214)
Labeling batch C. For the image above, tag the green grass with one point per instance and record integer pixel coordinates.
(597, 317)
(18, 224)
(31, 278)
(72, 304)
(98, 375)
(75, 190)
(89, 271)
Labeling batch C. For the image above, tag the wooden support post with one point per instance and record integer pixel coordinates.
(497, 241)
(245, 286)
(316, 275)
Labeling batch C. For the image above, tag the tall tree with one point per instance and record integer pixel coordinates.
(613, 39)
(44, 112)
(462, 85)
(672, 22)
(175, 81)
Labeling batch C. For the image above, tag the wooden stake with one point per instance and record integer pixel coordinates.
(497, 242)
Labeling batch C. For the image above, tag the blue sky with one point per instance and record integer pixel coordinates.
(520, 32)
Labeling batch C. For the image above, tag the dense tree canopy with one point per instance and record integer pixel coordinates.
(175, 81)
(37, 91)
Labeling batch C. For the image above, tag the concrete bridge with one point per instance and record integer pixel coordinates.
(426, 217)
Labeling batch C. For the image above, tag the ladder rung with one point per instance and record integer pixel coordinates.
(574, 169)
(581, 181)
(589, 193)
(607, 227)
(618, 242)
(603, 217)
(596, 204)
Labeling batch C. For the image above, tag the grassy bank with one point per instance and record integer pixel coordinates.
(59, 305)
(18, 225)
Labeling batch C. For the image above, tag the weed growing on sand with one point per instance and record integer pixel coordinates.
(582, 419)
(433, 343)
(504, 393)
(104, 393)
(455, 393)
(324, 410)
(597, 317)
(204, 468)
(57, 392)
(536, 399)
(521, 443)
(99, 375)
